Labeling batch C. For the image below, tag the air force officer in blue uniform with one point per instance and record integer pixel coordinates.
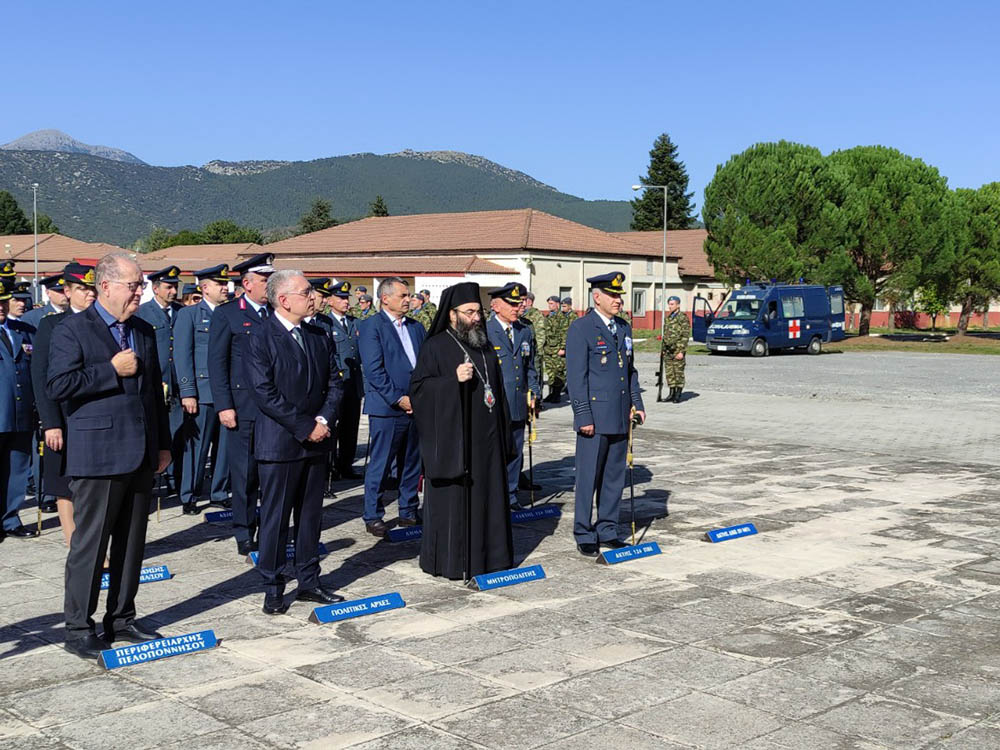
(228, 337)
(603, 389)
(514, 343)
(292, 369)
(389, 343)
(191, 355)
(344, 332)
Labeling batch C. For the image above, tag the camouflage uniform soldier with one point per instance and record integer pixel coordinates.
(418, 311)
(556, 326)
(428, 305)
(355, 308)
(676, 333)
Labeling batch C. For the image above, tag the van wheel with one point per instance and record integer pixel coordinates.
(815, 345)
(758, 348)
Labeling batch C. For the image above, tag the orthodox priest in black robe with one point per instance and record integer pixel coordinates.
(463, 421)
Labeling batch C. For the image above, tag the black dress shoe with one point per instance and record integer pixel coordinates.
(587, 549)
(274, 605)
(191, 509)
(132, 634)
(245, 548)
(49, 507)
(613, 543)
(320, 595)
(415, 521)
(377, 528)
(227, 504)
(22, 531)
(516, 506)
(89, 647)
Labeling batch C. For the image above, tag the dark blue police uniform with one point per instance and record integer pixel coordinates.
(603, 388)
(344, 332)
(17, 407)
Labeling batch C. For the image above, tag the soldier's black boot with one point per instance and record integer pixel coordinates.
(677, 395)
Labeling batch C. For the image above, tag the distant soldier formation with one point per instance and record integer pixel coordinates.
(251, 401)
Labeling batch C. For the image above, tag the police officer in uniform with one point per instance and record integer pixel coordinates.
(201, 427)
(603, 389)
(161, 312)
(344, 331)
(514, 343)
(228, 337)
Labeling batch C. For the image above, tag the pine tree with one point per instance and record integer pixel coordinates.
(12, 218)
(318, 217)
(377, 207)
(664, 169)
(46, 225)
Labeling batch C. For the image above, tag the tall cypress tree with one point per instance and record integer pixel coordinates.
(664, 169)
(377, 207)
(12, 218)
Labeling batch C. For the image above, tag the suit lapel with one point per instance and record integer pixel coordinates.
(16, 344)
(390, 327)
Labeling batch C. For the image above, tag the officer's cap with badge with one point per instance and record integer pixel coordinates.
(7, 272)
(22, 290)
(323, 287)
(219, 273)
(168, 275)
(512, 293)
(260, 264)
(609, 283)
(5, 290)
(53, 283)
(341, 289)
(191, 289)
(77, 273)
(362, 289)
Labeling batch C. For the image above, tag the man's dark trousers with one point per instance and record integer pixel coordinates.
(600, 469)
(347, 431)
(244, 479)
(392, 437)
(15, 464)
(123, 501)
(290, 490)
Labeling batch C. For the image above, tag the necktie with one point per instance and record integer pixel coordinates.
(262, 312)
(5, 337)
(613, 327)
(510, 335)
(297, 335)
(122, 335)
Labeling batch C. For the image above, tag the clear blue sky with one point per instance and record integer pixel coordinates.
(573, 93)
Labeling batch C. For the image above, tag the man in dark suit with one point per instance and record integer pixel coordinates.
(228, 334)
(161, 312)
(201, 427)
(389, 343)
(514, 343)
(604, 391)
(16, 417)
(292, 369)
(344, 331)
(105, 368)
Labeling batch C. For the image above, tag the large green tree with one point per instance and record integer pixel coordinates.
(46, 225)
(975, 275)
(664, 169)
(12, 218)
(317, 217)
(900, 225)
(771, 213)
(224, 232)
(377, 207)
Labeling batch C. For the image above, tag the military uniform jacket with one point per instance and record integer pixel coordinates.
(345, 339)
(556, 325)
(163, 329)
(601, 376)
(50, 413)
(34, 316)
(676, 333)
(191, 352)
(535, 317)
(17, 402)
(228, 339)
(517, 363)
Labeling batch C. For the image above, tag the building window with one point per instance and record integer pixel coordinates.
(638, 302)
(711, 295)
(566, 291)
(649, 267)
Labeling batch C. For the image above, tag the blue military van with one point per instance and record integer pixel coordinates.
(761, 318)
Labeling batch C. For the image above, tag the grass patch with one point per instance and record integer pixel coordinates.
(953, 345)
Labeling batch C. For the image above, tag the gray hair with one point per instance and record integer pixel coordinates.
(385, 286)
(112, 266)
(278, 282)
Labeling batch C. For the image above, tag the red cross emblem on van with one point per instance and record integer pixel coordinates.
(794, 329)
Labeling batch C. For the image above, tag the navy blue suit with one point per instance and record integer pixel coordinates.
(163, 330)
(345, 338)
(115, 428)
(191, 357)
(17, 405)
(291, 387)
(392, 431)
(517, 363)
(603, 388)
(228, 341)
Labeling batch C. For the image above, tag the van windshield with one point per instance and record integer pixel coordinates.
(740, 309)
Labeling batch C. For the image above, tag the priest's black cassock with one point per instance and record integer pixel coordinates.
(435, 394)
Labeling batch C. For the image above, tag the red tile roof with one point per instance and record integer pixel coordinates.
(517, 230)
(687, 245)
(51, 247)
(411, 265)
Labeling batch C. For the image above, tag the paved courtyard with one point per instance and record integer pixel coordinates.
(864, 615)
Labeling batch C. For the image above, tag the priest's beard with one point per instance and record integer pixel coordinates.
(473, 335)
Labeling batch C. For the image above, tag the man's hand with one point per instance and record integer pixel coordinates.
(464, 372)
(587, 430)
(405, 405)
(163, 463)
(54, 439)
(320, 432)
(190, 404)
(679, 355)
(561, 352)
(642, 416)
(227, 417)
(126, 364)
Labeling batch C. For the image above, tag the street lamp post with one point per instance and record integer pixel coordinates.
(35, 295)
(663, 284)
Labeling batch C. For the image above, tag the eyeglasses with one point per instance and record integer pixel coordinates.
(133, 286)
(477, 313)
(310, 293)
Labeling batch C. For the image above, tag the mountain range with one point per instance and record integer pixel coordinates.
(99, 193)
